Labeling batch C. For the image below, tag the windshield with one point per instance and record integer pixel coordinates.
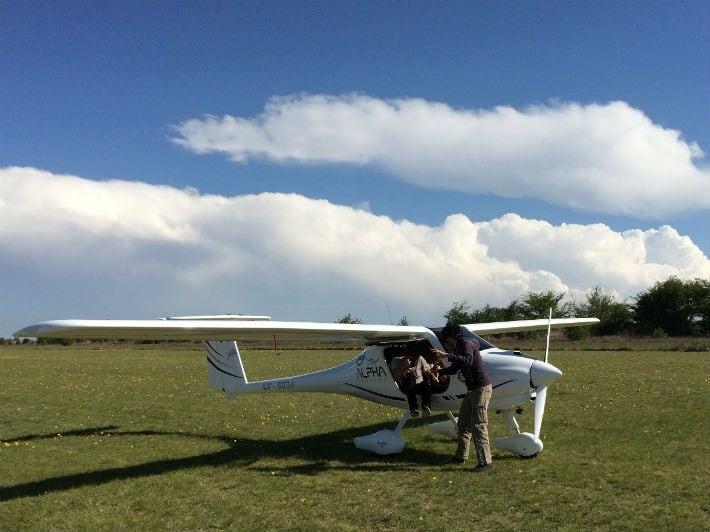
(485, 344)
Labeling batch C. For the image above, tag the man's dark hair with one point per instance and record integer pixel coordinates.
(451, 330)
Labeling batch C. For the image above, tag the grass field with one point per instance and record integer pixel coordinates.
(134, 438)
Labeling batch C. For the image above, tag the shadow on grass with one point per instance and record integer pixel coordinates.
(324, 452)
(76, 432)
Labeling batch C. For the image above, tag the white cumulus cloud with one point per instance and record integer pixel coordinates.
(73, 247)
(599, 157)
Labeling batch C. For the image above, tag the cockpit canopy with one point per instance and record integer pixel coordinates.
(485, 344)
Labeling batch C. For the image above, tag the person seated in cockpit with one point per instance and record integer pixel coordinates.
(400, 370)
(418, 375)
(416, 382)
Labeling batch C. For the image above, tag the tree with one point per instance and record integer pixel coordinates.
(614, 317)
(675, 307)
(514, 311)
(698, 296)
(537, 305)
(488, 314)
(348, 319)
(459, 313)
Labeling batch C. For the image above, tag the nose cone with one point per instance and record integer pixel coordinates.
(542, 374)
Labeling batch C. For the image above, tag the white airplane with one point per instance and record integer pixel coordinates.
(518, 379)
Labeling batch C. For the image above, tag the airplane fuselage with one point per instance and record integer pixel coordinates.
(369, 377)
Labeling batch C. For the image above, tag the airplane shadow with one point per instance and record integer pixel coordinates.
(323, 452)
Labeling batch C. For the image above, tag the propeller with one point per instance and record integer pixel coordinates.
(540, 397)
(540, 388)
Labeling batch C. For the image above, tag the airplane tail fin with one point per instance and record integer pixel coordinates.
(224, 367)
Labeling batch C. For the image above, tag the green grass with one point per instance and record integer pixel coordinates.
(134, 438)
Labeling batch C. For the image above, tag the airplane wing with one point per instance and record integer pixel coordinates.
(500, 327)
(219, 329)
(259, 327)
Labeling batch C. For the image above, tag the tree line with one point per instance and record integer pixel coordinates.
(669, 308)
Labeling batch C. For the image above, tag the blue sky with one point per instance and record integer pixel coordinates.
(590, 117)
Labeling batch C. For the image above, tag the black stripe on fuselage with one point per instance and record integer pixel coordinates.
(215, 366)
(375, 393)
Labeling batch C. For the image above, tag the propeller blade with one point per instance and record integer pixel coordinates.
(549, 327)
(541, 390)
(540, 397)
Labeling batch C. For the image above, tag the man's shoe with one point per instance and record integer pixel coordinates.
(455, 460)
(427, 411)
(414, 413)
(482, 468)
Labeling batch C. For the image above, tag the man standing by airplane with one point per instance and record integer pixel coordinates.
(473, 413)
